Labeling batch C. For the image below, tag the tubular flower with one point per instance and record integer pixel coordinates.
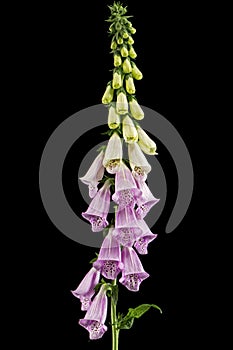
(117, 80)
(85, 290)
(126, 190)
(109, 259)
(129, 130)
(127, 68)
(138, 161)
(96, 315)
(136, 73)
(98, 209)
(127, 229)
(145, 238)
(94, 174)
(135, 109)
(129, 84)
(132, 52)
(146, 201)
(117, 60)
(122, 103)
(146, 144)
(108, 95)
(113, 154)
(113, 118)
(133, 273)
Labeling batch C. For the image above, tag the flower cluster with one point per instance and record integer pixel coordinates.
(112, 177)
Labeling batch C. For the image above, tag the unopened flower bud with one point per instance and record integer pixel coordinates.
(127, 68)
(146, 144)
(136, 73)
(133, 30)
(125, 35)
(117, 80)
(118, 26)
(130, 40)
(130, 133)
(122, 103)
(113, 118)
(124, 51)
(129, 84)
(108, 94)
(113, 45)
(120, 40)
(135, 109)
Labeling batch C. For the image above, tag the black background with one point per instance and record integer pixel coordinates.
(69, 65)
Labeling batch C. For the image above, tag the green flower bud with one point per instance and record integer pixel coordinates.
(125, 35)
(113, 45)
(136, 73)
(108, 95)
(130, 40)
(127, 68)
(129, 84)
(146, 144)
(124, 51)
(122, 103)
(133, 30)
(120, 40)
(130, 133)
(117, 80)
(117, 60)
(132, 53)
(135, 109)
(118, 26)
(113, 118)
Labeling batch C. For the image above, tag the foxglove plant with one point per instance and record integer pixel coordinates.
(112, 177)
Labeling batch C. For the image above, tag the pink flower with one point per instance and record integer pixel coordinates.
(94, 174)
(146, 201)
(133, 273)
(109, 258)
(96, 315)
(126, 190)
(145, 238)
(98, 209)
(85, 290)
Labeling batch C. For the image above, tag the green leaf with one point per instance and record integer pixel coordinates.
(127, 321)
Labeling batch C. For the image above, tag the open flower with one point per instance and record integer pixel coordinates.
(133, 273)
(109, 258)
(117, 80)
(113, 118)
(129, 130)
(138, 161)
(129, 84)
(147, 145)
(108, 94)
(146, 201)
(122, 103)
(94, 174)
(113, 154)
(96, 315)
(98, 209)
(85, 290)
(127, 229)
(136, 73)
(135, 109)
(145, 238)
(126, 190)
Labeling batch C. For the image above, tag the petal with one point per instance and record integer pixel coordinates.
(96, 329)
(146, 201)
(113, 150)
(125, 218)
(87, 285)
(95, 172)
(98, 309)
(137, 158)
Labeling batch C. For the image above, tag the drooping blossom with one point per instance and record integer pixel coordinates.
(127, 68)
(132, 52)
(99, 207)
(145, 238)
(146, 201)
(138, 161)
(127, 229)
(122, 102)
(146, 144)
(85, 290)
(124, 51)
(113, 154)
(126, 189)
(130, 133)
(109, 259)
(135, 109)
(95, 316)
(133, 272)
(94, 174)
(129, 84)
(108, 94)
(113, 118)
(136, 73)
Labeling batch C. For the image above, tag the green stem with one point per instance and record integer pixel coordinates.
(115, 331)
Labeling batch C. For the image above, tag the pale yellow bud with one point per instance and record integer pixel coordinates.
(130, 133)
(127, 68)
(122, 103)
(146, 144)
(130, 41)
(125, 35)
(117, 60)
(136, 110)
(117, 80)
(113, 118)
(136, 73)
(108, 95)
(129, 84)
(124, 51)
(120, 41)
(113, 45)
(132, 52)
